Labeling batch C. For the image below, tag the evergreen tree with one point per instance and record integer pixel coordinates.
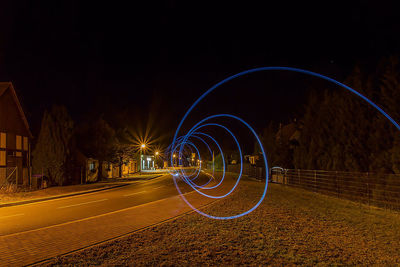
(52, 153)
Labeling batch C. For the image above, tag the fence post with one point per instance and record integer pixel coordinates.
(368, 189)
(337, 184)
(298, 174)
(30, 177)
(315, 180)
(284, 177)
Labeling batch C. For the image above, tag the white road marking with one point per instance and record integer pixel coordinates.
(134, 193)
(79, 204)
(158, 187)
(8, 216)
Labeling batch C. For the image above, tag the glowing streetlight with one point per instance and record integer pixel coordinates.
(143, 146)
(174, 156)
(157, 153)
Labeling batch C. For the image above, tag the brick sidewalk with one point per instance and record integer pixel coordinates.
(36, 245)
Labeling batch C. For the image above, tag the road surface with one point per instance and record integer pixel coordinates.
(27, 217)
(31, 233)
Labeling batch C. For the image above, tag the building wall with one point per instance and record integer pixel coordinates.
(10, 117)
(92, 170)
(107, 169)
(14, 142)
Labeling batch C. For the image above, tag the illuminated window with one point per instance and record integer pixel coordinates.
(91, 166)
(3, 140)
(2, 158)
(25, 143)
(19, 142)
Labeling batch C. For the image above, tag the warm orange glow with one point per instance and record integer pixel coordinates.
(174, 156)
(157, 153)
(143, 146)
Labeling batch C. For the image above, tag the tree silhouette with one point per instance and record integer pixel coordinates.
(52, 154)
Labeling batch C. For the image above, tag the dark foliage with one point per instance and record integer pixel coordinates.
(339, 131)
(54, 148)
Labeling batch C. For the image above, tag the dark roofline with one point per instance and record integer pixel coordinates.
(9, 85)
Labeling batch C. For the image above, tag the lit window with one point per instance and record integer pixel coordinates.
(3, 140)
(19, 142)
(91, 166)
(2, 158)
(25, 143)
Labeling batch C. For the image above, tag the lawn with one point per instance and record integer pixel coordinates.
(292, 226)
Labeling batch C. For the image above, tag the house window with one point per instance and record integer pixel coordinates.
(19, 142)
(25, 143)
(91, 166)
(2, 158)
(3, 140)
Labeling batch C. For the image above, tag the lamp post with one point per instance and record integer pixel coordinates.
(142, 146)
(156, 154)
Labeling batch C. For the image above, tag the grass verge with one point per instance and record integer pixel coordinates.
(291, 227)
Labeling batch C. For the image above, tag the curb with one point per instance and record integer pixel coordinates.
(10, 204)
(136, 179)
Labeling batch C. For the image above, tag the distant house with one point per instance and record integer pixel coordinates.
(15, 139)
(252, 159)
(147, 162)
(87, 170)
(110, 170)
(289, 134)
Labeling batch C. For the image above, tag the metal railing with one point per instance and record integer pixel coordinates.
(377, 189)
(250, 170)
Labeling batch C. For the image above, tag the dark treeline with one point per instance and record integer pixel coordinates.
(339, 131)
(63, 145)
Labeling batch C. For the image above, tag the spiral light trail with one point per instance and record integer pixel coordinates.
(185, 142)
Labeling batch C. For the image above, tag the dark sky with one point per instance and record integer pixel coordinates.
(158, 57)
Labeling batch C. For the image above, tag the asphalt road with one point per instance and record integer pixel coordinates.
(27, 217)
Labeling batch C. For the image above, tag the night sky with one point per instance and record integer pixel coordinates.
(158, 57)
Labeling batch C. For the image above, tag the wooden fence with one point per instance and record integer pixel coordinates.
(377, 189)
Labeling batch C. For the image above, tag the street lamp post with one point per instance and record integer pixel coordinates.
(156, 154)
(142, 146)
